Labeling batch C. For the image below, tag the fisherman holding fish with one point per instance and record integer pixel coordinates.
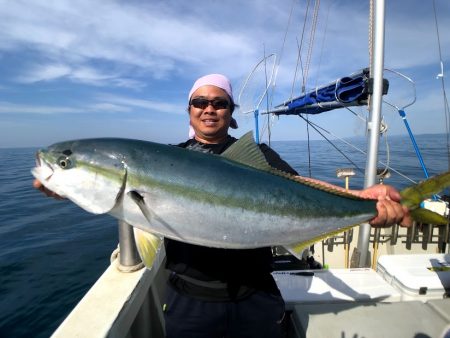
(222, 292)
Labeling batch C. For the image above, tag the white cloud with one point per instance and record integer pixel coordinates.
(151, 37)
(79, 74)
(102, 104)
(11, 108)
(109, 107)
(159, 38)
(45, 73)
(150, 105)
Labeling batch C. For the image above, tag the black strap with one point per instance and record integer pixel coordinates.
(205, 284)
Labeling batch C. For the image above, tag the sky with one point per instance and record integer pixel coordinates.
(79, 69)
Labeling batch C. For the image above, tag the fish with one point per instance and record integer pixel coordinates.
(234, 200)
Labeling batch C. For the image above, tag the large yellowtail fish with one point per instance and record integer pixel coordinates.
(234, 200)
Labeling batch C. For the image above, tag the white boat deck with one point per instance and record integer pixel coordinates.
(341, 303)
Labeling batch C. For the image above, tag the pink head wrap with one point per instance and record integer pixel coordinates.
(217, 80)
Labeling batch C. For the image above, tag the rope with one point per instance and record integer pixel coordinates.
(114, 259)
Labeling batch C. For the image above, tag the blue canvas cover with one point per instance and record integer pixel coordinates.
(347, 91)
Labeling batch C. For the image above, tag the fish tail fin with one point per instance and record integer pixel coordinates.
(413, 197)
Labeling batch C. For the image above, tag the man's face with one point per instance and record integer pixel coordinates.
(210, 123)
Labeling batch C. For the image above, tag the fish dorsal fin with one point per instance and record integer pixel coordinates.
(325, 187)
(246, 151)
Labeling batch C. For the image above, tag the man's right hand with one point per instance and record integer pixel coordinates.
(38, 185)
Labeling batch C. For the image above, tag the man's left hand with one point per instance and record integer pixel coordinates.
(390, 211)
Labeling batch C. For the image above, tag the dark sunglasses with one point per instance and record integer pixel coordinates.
(216, 103)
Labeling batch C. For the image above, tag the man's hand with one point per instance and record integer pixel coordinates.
(38, 185)
(390, 211)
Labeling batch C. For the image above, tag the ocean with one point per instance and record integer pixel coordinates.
(51, 252)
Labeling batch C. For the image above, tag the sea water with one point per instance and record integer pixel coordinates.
(51, 252)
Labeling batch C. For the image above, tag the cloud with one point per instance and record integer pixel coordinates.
(12, 108)
(150, 37)
(150, 105)
(78, 74)
(45, 73)
(102, 103)
(158, 39)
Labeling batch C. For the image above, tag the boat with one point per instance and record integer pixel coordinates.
(383, 290)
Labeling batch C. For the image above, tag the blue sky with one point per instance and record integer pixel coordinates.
(76, 69)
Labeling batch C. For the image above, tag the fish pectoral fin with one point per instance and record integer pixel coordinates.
(140, 201)
(148, 246)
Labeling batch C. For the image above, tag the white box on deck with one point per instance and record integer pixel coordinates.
(372, 320)
(334, 285)
(417, 277)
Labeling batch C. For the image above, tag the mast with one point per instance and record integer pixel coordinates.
(373, 125)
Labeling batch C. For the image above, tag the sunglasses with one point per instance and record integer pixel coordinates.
(216, 103)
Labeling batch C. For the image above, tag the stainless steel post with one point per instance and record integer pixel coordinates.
(128, 255)
(377, 67)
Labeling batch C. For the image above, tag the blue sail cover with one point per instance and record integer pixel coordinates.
(348, 91)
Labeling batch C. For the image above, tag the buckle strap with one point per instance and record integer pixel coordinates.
(205, 284)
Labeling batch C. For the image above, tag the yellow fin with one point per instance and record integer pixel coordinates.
(415, 194)
(297, 249)
(148, 245)
(428, 216)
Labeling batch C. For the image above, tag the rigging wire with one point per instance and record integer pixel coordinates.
(305, 70)
(299, 51)
(311, 43)
(441, 77)
(316, 127)
(267, 96)
(323, 42)
(277, 64)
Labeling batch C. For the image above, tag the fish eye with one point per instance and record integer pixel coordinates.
(64, 162)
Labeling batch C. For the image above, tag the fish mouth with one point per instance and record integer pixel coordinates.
(43, 170)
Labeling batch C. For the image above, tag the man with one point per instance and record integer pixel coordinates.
(231, 293)
(227, 292)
